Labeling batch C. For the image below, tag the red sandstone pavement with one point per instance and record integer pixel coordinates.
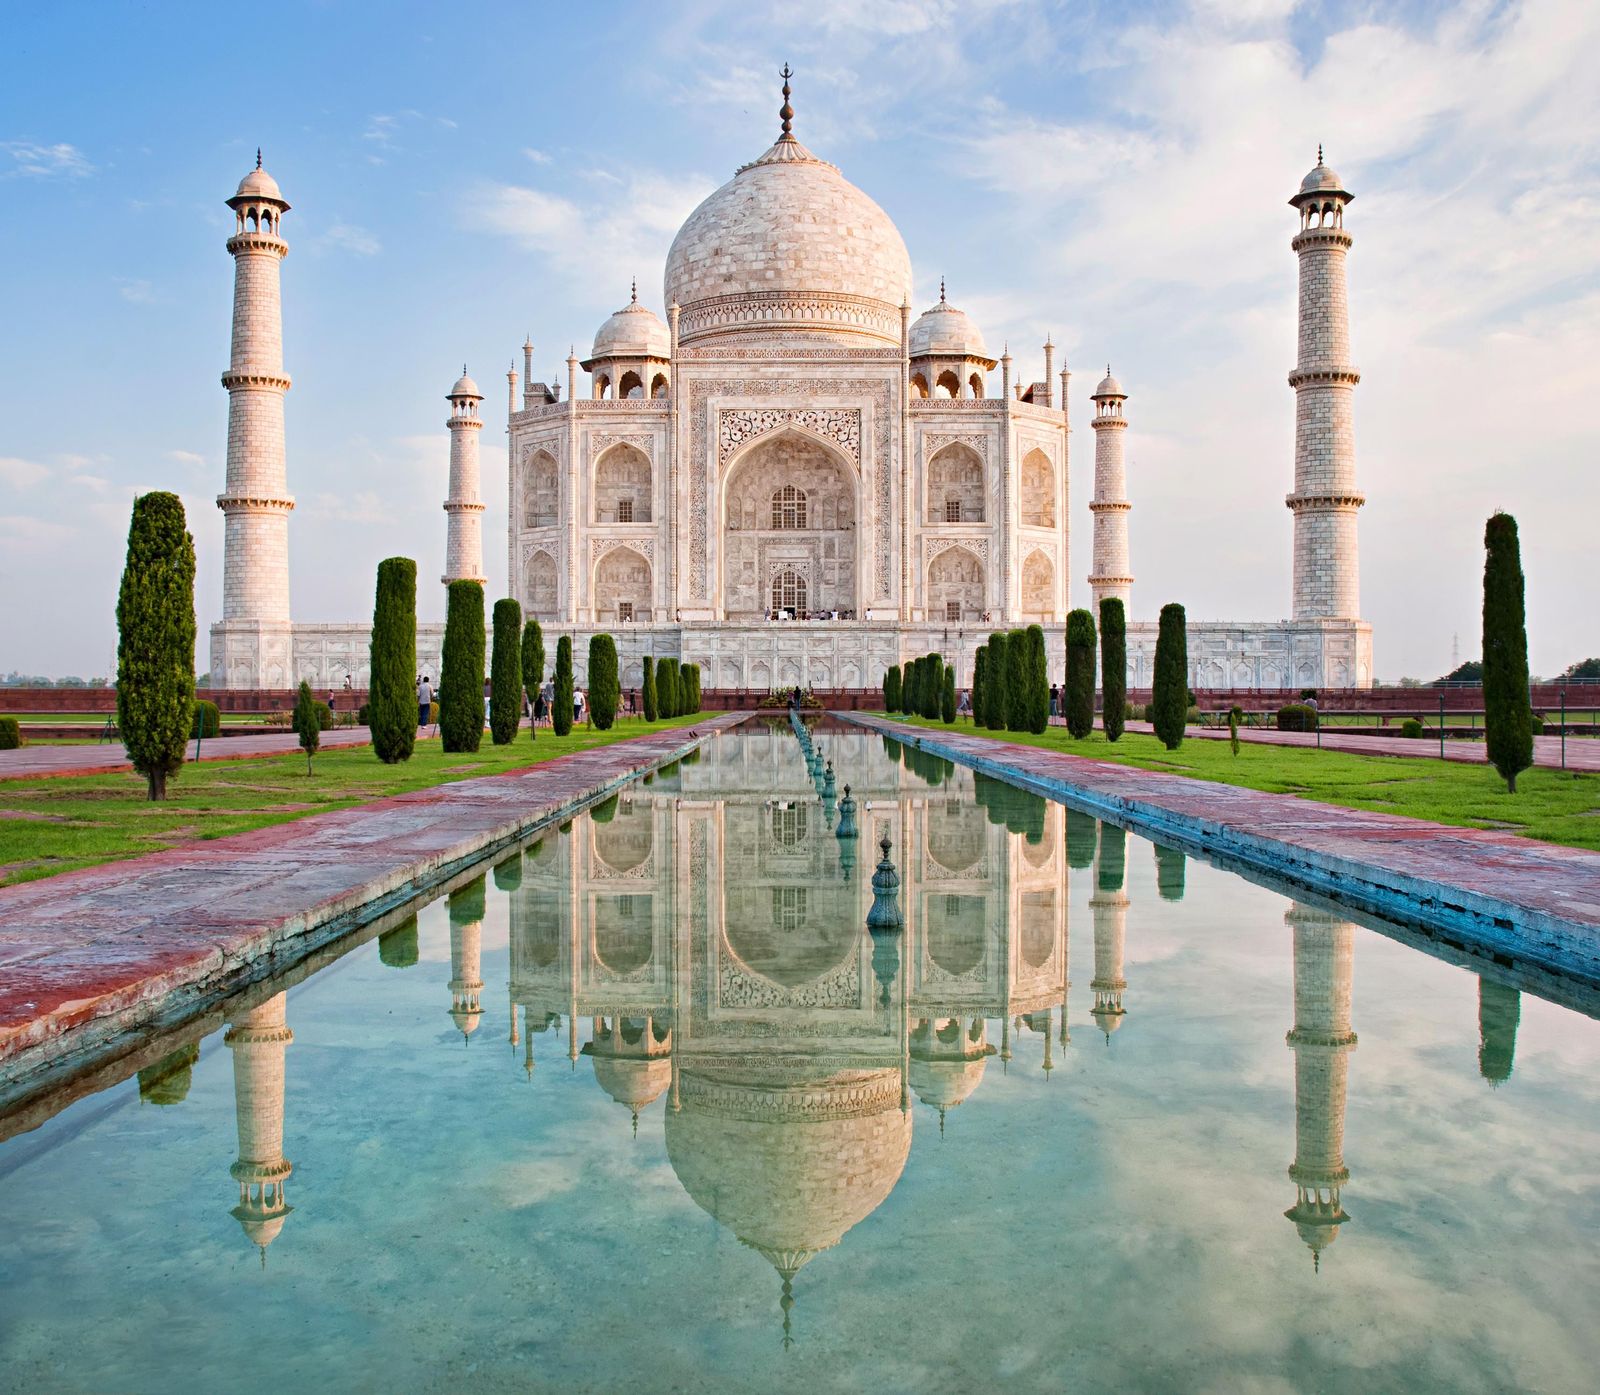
(89, 956)
(33, 762)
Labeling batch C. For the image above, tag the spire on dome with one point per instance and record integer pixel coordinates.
(258, 166)
(633, 294)
(941, 290)
(786, 112)
(1319, 152)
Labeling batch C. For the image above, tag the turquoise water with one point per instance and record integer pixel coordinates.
(645, 1106)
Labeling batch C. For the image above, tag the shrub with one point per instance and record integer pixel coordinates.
(461, 681)
(980, 684)
(391, 708)
(1297, 716)
(1113, 666)
(1080, 674)
(910, 703)
(308, 722)
(947, 707)
(1411, 727)
(505, 673)
(933, 687)
(155, 640)
(891, 689)
(208, 720)
(1506, 717)
(1170, 695)
(532, 666)
(689, 683)
(10, 734)
(1037, 670)
(364, 716)
(1235, 716)
(325, 716)
(605, 689)
(1536, 724)
(667, 687)
(561, 702)
(649, 694)
(1017, 681)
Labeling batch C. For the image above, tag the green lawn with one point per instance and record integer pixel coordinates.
(1553, 805)
(54, 825)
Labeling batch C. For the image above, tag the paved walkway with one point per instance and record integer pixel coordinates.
(32, 762)
(89, 957)
(1535, 902)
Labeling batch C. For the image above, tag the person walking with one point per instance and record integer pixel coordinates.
(579, 702)
(424, 701)
(1055, 700)
(540, 708)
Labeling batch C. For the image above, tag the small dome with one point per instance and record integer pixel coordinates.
(1109, 1020)
(1109, 386)
(945, 1083)
(259, 186)
(1321, 180)
(465, 387)
(632, 1082)
(635, 331)
(948, 333)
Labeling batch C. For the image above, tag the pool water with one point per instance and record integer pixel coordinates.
(645, 1106)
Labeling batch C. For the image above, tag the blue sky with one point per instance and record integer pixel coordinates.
(1113, 175)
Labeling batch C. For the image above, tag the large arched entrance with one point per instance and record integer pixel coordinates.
(789, 535)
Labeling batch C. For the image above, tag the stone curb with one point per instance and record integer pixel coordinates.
(1544, 911)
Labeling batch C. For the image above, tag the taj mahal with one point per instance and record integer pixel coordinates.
(792, 478)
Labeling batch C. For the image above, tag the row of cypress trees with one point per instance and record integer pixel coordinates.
(927, 688)
(1011, 682)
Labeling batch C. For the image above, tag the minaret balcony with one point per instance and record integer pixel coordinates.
(257, 242)
(1325, 238)
(255, 503)
(1328, 375)
(250, 378)
(1297, 502)
(1110, 506)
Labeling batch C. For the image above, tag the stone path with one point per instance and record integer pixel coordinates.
(32, 762)
(1510, 896)
(90, 957)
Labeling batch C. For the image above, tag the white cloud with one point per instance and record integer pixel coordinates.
(348, 237)
(190, 460)
(17, 473)
(46, 161)
(537, 156)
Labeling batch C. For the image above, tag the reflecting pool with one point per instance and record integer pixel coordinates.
(645, 1105)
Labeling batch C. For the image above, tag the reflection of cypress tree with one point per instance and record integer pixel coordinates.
(397, 948)
(508, 873)
(1033, 818)
(1499, 1012)
(1113, 857)
(1081, 838)
(167, 1081)
(605, 810)
(989, 794)
(467, 902)
(1170, 864)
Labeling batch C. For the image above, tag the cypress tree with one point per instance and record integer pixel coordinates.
(1080, 674)
(1017, 681)
(307, 724)
(980, 684)
(947, 708)
(891, 689)
(933, 689)
(155, 640)
(691, 689)
(1113, 666)
(505, 673)
(532, 666)
(1169, 696)
(392, 698)
(605, 689)
(1507, 717)
(1038, 681)
(561, 703)
(461, 681)
(908, 693)
(999, 699)
(648, 695)
(667, 687)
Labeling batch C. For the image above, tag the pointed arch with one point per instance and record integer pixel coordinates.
(622, 485)
(540, 592)
(541, 491)
(1038, 490)
(622, 588)
(955, 485)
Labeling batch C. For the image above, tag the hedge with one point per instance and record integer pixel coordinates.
(1297, 716)
(208, 720)
(10, 734)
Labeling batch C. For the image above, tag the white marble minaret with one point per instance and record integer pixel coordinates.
(1324, 958)
(259, 1040)
(1112, 575)
(466, 953)
(1327, 566)
(1109, 905)
(463, 553)
(251, 647)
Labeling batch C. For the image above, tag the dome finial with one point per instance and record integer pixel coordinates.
(633, 295)
(1319, 152)
(786, 112)
(941, 290)
(258, 157)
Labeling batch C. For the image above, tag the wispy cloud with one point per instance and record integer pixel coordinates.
(37, 161)
(137, 292)
(349, 237)
(17, 473)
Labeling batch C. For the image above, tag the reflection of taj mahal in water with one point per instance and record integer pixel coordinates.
(708, 953)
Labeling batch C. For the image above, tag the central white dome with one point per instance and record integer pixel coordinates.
(788, 247)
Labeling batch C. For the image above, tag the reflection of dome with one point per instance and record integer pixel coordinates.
(788, 245)
(466, 1019)
(944, 1084)
(635, 331)
(631, 1082)
(261, 1227)
(1109, 1019)
(946, 332)
(790, 1168)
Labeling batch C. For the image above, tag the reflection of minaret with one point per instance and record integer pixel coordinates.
(466, 940)
(1110, 906)
(1499, 1012)
(1324, 957)
(259, 1040)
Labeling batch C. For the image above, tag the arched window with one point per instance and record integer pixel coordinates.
(975, 382)
(541, 492)
(919, 385)
(789, 508)
(630, 386)
(948, 385)
(790, 823)
(658, 386)
(789, 591)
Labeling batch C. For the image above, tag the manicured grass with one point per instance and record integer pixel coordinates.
(54, 825)
(1553, 805)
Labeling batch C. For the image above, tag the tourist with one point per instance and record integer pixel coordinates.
(424, 700)
(963, 703)
(540, 708)
(633, 702)
(488, 690)
(579, 701)
(1055, 700)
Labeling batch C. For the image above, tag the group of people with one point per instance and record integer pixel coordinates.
(537, 707)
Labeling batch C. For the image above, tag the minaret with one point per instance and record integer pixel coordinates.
(463, 553)
(467, 904)
(255, 500)
(1110, 507)
(1110, 907)
(527, 372)
(1324, 956)
(259, 1040)
(1327, 569)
